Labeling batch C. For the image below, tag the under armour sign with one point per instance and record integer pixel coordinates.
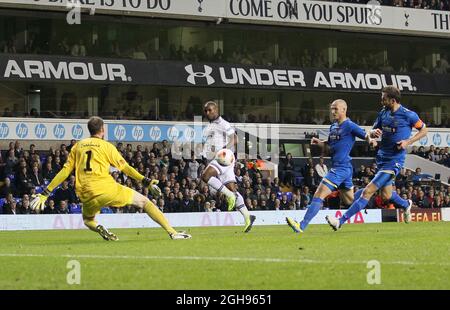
(194, 76)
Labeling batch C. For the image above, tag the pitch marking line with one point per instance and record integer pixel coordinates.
(219, 258)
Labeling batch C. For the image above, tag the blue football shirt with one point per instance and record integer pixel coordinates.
(341, 141)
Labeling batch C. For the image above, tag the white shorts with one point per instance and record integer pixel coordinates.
(225, 173)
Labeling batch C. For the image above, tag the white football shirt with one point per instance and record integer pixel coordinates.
(217, 135)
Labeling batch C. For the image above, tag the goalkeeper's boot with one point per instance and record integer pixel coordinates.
(333, 222)
(180, 235)
(106, 234)
(407, 212)
(231, 202)
(294, 225)
(249, 223)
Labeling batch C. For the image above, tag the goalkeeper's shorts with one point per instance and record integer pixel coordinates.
(111, 195)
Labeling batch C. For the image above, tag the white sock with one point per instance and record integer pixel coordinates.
(240, 206)
(219, 187)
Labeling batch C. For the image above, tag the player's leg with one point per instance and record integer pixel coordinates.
(357, 194)
(210, 177)
(380, 180)
(346, 193)
(241, 207)
(359, 203)
(155, 214)
(389, 194)
(90, 209)
(347, 196)
(312, 209)
(329, 183)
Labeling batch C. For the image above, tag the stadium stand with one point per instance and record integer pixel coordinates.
(183, 191)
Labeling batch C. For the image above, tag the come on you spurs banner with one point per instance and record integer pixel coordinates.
(370, 17)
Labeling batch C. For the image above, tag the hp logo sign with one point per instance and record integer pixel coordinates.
(206, 74)
(189, 134)
(437, 139)
(59, 131)
(40, 130)
(155, 133)
(423, 141)
(4, 130)
(120, 132)
(21, 130)
(137, 133)
(77, 132)
(172, 133)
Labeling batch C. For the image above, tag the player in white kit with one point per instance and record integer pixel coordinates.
(221, 179)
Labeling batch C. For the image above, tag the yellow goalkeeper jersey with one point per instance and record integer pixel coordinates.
(91, 158)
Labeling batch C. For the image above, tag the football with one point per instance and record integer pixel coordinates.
(225, 157)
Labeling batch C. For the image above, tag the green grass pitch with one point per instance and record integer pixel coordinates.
(411, 256)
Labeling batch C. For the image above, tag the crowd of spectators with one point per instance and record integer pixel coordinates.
(244, 53)
(27, 172)
(417, 186)
(435, 154)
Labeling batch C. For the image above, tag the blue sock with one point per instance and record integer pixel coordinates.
(311, 212)
(357, 206)
(358, 194)
(399, 200)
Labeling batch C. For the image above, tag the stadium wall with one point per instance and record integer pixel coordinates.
(199, 219)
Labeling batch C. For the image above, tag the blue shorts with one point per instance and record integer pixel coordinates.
(389, 164)
(383, 178)
(387, 170)
(339, 178)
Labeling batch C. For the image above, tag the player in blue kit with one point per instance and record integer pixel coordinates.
(394, 125)
(340, 141)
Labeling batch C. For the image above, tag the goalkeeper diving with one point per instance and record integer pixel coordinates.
(91, 159)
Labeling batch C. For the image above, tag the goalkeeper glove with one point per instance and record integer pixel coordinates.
(153, 188)
(38, 202)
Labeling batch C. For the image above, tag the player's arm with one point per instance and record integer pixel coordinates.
(318, 142)
(361, 133)
(232, 138)
(370, 141)
(38, 201)
(233, 141)
(376, 131)
(417, 123)
(117, 160)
